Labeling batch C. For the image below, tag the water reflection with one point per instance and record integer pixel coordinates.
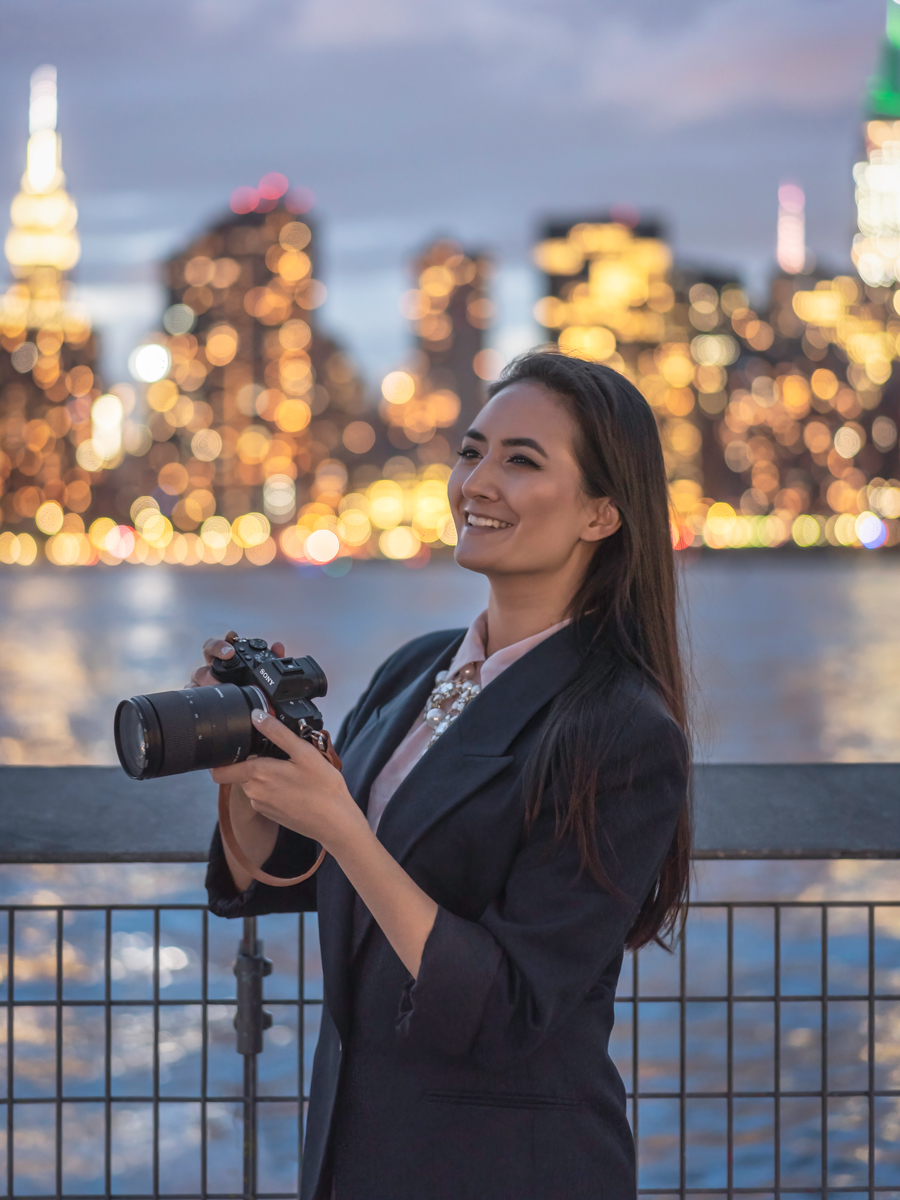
(796, 661)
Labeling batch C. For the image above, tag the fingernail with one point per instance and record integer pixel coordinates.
(228, 650)
(258, 715)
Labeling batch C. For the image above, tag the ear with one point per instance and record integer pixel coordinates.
(602, 519)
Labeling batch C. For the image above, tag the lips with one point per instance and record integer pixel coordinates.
(476, 522)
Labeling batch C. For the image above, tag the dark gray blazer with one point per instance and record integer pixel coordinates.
(488, 1077)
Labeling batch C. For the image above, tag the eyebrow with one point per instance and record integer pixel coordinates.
(477, 436)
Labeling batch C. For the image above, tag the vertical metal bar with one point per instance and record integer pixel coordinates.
(729, 1052)
(777, 1054)
(635, 1047)
(823, 1033)
(155, 1054)
(107, 1055)
(871, 1050)
(682, 1065)
(250, 1022)
(59, 1060)
(301, 1036)
(204, 1052)
(10, 1050)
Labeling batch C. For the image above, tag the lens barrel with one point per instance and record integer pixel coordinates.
(194, 729)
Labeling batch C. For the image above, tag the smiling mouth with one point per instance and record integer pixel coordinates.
(486, 522)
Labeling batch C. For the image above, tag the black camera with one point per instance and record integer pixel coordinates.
(199, 728)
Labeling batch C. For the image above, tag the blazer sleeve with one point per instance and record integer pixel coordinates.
(495, 989)
(293, 853)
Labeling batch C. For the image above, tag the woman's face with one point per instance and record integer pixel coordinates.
(516, 492)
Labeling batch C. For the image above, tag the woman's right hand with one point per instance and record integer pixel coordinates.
(217, 648)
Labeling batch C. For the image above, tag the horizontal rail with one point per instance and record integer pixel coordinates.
(772, 811)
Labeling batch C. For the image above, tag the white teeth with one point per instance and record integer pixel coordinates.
(486, 522)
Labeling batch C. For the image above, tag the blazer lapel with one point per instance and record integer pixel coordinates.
(475, 748)
(363, 760)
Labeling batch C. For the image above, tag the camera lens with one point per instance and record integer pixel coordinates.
(134, 735)
(169, 733)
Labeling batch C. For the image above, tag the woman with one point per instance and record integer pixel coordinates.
(490, 855)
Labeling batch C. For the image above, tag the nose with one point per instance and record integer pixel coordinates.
(481, 484)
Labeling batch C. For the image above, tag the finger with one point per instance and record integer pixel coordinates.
(278, 649)
(273, 729)
(202, 677)
(237, 773)
(216, 648)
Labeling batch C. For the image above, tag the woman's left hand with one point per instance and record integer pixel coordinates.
(304, 793)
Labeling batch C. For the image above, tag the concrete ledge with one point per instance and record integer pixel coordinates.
(98, 814)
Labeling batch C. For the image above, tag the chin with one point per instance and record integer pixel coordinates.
(482, 557)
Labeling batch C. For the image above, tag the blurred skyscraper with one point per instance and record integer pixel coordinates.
(429, 405)
(259, 412)
(57, 435)
(776, 425)
(612, 295)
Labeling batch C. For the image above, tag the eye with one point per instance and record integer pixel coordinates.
(467, 452)
(523, 460)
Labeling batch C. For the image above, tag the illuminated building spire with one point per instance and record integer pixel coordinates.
(43, 214)
(884, 86)
(876, 248)
(791, 251)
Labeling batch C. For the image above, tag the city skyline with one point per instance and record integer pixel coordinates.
(697, 117)
(250, 429)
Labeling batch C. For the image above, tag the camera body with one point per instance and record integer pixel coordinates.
(286, 683)
(199, 728)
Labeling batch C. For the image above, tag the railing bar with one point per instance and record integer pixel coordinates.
(10, 1053)
(59, 1046)
(635, 1042)
(729, 1066)
(204, 1052)
(693, 904)
(225, 1001)
(777, 1063)
(156, 933)
(301, 1037)
(824, 1048)
(871, 1049)
(682, 1064)
(739, 1094)
(107, 1051)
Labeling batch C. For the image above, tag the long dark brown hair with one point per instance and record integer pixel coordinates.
(625, 610)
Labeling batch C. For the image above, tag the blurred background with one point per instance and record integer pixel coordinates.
(263, 258)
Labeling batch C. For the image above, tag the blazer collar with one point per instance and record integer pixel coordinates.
(368, 752)
(364, 758)
(474, 749)
(452, 767)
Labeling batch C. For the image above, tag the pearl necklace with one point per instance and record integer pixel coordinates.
(448, 699)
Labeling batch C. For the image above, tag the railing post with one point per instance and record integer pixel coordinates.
(250, 1021)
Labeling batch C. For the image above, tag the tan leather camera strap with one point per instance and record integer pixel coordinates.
(322, 742)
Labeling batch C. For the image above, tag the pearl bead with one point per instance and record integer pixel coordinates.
(440, 677)
(434, 716)
(468, 671)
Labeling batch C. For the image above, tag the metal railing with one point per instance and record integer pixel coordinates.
(760, 1059)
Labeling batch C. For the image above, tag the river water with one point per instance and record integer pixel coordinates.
(795, 660)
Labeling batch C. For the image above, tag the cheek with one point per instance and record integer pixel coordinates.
(454, 488)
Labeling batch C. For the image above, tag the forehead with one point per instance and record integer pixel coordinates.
(527, 410)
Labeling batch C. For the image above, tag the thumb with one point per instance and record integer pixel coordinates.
(270, 727)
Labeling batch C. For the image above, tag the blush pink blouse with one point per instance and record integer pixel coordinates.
(471, 652)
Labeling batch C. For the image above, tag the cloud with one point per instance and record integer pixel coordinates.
(738, 54)
(701, 59)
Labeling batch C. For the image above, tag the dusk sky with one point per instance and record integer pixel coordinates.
(408, 118)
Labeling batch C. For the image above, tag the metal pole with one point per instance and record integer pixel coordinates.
(250, 1021)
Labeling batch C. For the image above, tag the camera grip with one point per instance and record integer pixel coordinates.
(322, 742)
